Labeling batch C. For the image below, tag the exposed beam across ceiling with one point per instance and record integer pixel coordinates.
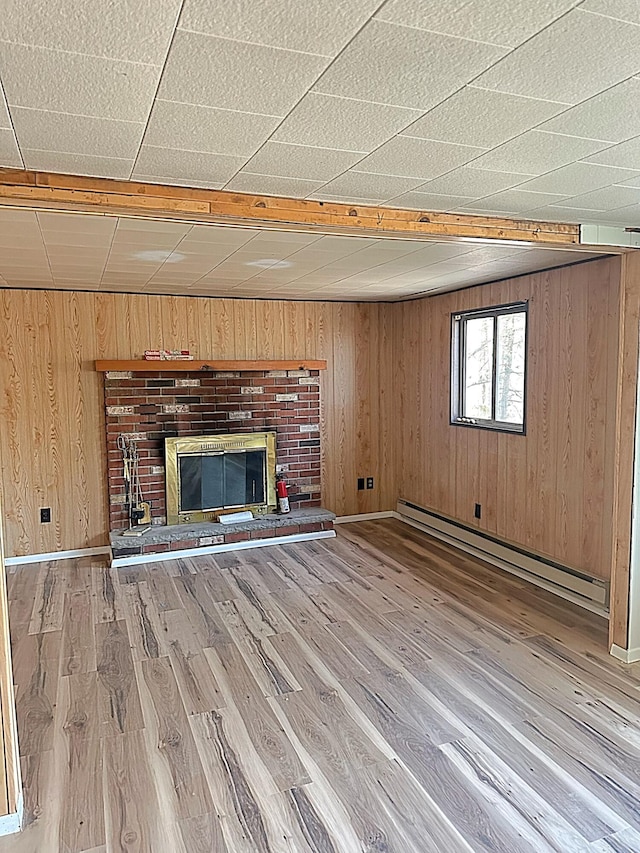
(98, 195)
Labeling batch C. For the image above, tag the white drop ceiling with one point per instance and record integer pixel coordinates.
(54, 250)
(506, 107)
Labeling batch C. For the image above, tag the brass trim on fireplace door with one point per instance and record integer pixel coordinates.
(200, 445)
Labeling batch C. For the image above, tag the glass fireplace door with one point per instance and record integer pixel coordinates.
(221, 480)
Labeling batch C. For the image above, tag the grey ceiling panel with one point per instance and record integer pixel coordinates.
(322, 28)
(579, 56)
(234, 75)
(409, 68)
(503, 22)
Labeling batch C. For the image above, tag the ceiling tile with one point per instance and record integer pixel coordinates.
(205, 234)
(77, 224)
(571, 60)
(628, 216)
(298, 161)
(481, 211)
(135, 30)
(332, 122)
(187, 165)
(233, 75)
(472, 182)
(516, 200)
(193, 128)
(321, 28)
(559, 213)
(155, 227)
(428, 201)
(503, 22)
(367, 185)
(77, 164)
(245, 182)
(367, 202)
(9, 154)
(179, 182)
(607, 198)
(406, 67)
(99, 137)
(623, 10)
(536, 152)
(482, 117)
(625, 155)
(417, 158)
(629, 182)
(579, 178)
(5, 121)
(613, 115)
(83, 85)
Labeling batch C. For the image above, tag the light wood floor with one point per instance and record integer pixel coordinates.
(378, 692)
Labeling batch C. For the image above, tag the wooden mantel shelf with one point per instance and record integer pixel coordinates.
(169, 366)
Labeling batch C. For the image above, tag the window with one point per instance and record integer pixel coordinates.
(488, 367)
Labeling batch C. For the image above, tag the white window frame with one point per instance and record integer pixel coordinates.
(458, 362)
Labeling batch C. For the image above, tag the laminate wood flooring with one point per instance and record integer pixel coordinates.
(376, 693)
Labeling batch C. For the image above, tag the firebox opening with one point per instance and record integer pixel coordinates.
(206, 475)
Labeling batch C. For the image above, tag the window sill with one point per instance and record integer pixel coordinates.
(492, 426)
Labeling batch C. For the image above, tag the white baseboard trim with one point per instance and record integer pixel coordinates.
(138, 559)
(364, 516)
(57, 555)
(10, 823)
(625, 655)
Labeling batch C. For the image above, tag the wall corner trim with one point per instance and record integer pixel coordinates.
(625, 655)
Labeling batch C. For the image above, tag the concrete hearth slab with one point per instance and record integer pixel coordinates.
(160, 534)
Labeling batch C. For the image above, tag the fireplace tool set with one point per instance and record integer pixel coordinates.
(138, 509)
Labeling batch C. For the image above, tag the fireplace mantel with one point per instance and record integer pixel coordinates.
(169, 366)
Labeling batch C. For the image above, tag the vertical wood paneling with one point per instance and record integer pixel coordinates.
(342, 460)
(56, 421)
(9, 766)
(389, 419)
(626, 385)
(550, 490)
(52, 441)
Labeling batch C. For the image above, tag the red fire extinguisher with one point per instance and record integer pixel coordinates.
(283, 495)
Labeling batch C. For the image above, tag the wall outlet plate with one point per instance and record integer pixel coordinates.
(360, 484)
(369, 482)
(45, 515)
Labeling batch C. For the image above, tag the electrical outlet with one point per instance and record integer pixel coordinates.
(478, 511)
(360, 483)
(45, 515)
(369, 482)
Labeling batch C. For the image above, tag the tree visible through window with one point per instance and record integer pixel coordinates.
(488, 367)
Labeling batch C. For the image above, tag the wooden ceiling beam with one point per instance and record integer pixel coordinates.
(130, 198)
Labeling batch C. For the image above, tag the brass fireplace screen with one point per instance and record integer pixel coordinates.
(207, 475)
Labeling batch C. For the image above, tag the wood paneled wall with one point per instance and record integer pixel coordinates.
(10, 784)
(52, 439)
(551, 491)
(385, 405)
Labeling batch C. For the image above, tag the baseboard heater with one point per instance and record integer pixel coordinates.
(583, 589)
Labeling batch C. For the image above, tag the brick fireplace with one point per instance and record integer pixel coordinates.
(150, 406)
(157, 401)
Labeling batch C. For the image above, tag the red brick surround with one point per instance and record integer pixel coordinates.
(151, 406)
